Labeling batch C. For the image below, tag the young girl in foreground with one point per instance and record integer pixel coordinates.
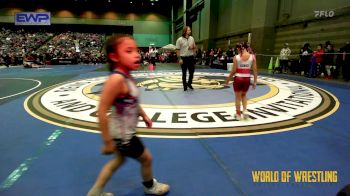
(118, 129)
(242, 64)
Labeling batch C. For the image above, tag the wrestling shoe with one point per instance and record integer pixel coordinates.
(157, 188)
(245, 115)
(237, 117)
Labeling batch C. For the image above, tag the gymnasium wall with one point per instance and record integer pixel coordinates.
(234, 17)
(301, 9)
(200, 27)
(222, 22)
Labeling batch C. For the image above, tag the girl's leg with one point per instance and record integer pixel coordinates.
(238, 104)
(244, 100)
(151, 184)
(244, 103)
(146, 165)
(107, 171)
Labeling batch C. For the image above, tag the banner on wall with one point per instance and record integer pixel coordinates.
(32, 18)
(157, 40)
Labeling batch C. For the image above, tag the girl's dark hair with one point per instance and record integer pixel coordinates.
(244, 45)
(110, 47)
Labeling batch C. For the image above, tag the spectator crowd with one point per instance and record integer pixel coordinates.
(18, 46)
(325, 61)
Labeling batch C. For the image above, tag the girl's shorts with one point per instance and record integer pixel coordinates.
(241, 84)
(133, 149)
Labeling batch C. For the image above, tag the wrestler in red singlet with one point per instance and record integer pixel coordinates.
(243, 63)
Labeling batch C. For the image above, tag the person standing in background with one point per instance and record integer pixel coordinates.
(153, 55)
(329, 60)
(305, 59)
(316, 61)
(185, 51)
(318, 54)
(284, 55)
(346, 62)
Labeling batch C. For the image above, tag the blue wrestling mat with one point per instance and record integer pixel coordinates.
(295, 141)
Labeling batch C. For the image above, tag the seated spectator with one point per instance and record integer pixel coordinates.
(31, 62)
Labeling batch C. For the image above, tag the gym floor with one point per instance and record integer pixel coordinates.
(296, 137)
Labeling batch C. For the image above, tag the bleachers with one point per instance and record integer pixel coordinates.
(48, 46)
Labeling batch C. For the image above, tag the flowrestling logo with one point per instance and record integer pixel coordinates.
(324, 13)
(33, 18)
(276, 105)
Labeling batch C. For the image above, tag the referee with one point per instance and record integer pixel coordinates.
(186, 50)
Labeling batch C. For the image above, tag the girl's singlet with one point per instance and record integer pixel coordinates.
(125, 113)
(242, 75)
(243, 67)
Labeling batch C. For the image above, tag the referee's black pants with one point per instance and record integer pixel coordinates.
(188, 63)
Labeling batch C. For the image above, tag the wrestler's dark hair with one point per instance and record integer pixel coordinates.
(111, 45)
